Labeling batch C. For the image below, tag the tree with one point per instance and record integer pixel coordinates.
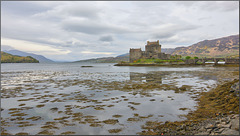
(188, 57)
(195, 57)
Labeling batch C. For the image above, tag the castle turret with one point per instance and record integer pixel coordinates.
(153, 47)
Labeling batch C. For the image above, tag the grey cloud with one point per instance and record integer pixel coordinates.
(90, 27)
(170, 30)
(22, 7)
(211, 5)
(106, 38)
(163, 34)
(186, 3)
(219, 5)
(175, 39)
(69, 10)
(82, 11)
(204, 18)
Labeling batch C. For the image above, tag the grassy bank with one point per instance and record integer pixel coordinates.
(155, 61)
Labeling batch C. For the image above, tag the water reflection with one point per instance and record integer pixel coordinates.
(147, 77)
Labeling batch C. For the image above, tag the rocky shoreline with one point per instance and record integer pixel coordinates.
(225, 122)
(221, 125)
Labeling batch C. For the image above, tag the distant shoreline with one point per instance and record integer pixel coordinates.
(224, 65)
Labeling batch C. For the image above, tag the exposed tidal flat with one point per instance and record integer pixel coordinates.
(65, 98)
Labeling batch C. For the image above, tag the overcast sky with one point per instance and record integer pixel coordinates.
(69, 31)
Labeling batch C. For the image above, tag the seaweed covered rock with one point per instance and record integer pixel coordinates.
(235, 89)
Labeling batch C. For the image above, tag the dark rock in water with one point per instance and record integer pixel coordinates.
(54, 109)
(87, 66)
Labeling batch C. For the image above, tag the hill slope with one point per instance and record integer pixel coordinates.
(40, 58)
(168, 50)
(9, 58)
(221, 47)
(108, 59)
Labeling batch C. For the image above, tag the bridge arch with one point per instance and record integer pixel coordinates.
(220, 59)
(209, 60)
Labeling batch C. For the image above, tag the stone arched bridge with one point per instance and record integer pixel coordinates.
(215, 60)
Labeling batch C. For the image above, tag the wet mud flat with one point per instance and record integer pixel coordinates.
(78, 103)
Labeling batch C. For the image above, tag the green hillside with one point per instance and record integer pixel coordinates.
(9, 58)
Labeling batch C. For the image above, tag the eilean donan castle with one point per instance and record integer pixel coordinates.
(152, 50)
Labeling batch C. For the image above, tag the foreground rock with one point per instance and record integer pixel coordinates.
(228, 125)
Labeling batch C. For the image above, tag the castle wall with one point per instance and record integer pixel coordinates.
(164, 56)
(135, 54)
(148, 55)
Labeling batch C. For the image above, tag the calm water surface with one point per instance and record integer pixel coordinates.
(65, 98)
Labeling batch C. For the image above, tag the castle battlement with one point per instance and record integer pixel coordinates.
(153, 43)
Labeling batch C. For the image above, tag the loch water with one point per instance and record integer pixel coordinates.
(65, 98)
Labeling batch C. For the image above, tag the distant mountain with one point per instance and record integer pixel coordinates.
(40, 58)
(168, 50)
(9, 58)
(123, 57)
(221, 47)
(126, 54)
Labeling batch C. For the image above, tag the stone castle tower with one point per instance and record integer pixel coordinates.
(152, 50)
